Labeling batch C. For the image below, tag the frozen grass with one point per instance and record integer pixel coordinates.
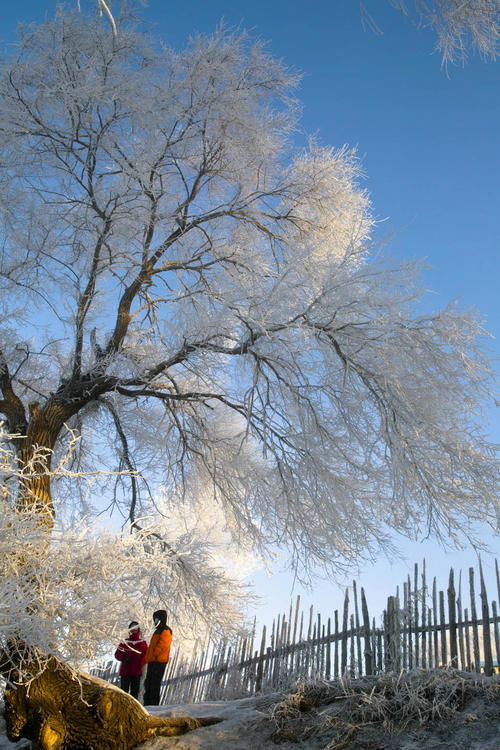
(337, 711)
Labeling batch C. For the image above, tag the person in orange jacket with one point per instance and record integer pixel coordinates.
(157, 656)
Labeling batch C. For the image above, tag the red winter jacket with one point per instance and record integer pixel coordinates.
(132, 654)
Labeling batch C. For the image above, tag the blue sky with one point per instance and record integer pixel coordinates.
(430, 144)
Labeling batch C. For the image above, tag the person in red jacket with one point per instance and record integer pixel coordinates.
(132, 654)
(157, 656)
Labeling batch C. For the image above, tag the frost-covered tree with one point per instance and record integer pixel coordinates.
(195, 298)
(460, 25)
(94, 579)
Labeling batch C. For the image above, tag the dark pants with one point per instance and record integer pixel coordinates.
(152, 684)
(131, 684)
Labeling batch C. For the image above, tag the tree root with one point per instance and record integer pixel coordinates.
(65, 710)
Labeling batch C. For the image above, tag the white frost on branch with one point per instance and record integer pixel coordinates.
(460, 25)
(89, 582)
(93, 583)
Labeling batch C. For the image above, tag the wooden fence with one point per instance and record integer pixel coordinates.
(424, 628)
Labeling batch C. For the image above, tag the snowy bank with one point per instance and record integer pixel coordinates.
(440, 710)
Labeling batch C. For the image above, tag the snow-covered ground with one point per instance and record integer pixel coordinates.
(4, 742)
(242, 725)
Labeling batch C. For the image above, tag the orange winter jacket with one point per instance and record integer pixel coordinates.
(159, 648)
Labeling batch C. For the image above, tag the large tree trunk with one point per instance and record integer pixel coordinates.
(61, 710)
(35, 458)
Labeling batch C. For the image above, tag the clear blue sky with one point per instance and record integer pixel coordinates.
(430, 145)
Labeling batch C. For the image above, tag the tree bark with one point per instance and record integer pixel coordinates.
(35, 455)
(64, 710)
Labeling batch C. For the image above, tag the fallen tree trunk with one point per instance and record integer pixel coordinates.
(64, 710)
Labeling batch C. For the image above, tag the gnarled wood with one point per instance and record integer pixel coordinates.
(62, 710)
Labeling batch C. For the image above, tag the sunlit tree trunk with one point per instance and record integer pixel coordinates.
(59, 712)
(35, 458)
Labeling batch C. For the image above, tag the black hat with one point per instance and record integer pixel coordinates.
(133, 625)
(160, 615)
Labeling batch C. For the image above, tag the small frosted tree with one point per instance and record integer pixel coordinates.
(195, 298)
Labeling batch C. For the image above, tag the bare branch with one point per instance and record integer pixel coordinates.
(126, 458)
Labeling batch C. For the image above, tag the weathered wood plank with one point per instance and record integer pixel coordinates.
(409, 616)
(496, 631)
(369, 667)
(475, 630)
(405, 634)
(452, 620)
(467, 639)
(393, 660)
(352, 665)
(345, 625)
(336, 654)
(358, 629)
(260, 664)
(424, 612)
(417, 643)
(485, 616)
(442, 631)
(461, 643)
(435, 620)
(328, 665)
(429, 640)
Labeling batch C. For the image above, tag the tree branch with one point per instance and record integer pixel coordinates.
(126, 457)
(11, 405)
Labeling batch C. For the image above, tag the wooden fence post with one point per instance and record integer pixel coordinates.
(435, 623)
(345, 625)
(336, 647)
(328, 666)
(473, 617)
(393, 641)
(460, 623)
(368, 644)
(409, 618)
(424, 612)
(496, 631)
(498, 581)
(442, 631)
(406, 634)
(488, 656)
(260, 664)
(358, 629)
(429, 642)
(417, 642)
(352, 664)
(378, 634)
(452, 619)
